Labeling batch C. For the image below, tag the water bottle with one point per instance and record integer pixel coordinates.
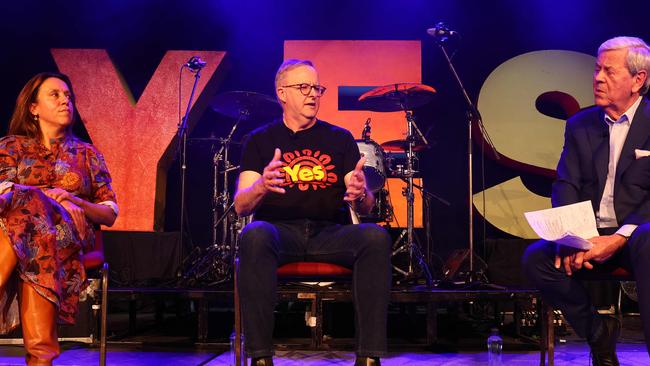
(233, 360)
(494, 346)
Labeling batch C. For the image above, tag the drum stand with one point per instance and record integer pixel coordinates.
(214, 265)
(406, 238)
(223, 199)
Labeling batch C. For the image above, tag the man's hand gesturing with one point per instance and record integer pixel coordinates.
(357, 185)
(272, 176)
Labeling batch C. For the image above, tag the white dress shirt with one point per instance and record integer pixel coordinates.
(606, 216)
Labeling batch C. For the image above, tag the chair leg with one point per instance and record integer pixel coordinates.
(550, 334)
(104, 310)
(319, 321)
(432, 323)
(202, 319)
(619, 313)
(547, 339)
(543, 339)
(239, 360)
(314, 321)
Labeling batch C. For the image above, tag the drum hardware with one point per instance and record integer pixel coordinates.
(414, 252)
(365, 133)
(255, 106)
(396, 164)
(428, 195)
(212, 266)
(472, 114)
(382, 211)
(425, 246)
(374, 170)
(404, 97)
(374, 167)
(390, 98)
(215, 264)
(212, 139)
(402, 145)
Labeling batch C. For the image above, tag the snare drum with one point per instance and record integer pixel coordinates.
(374, 168)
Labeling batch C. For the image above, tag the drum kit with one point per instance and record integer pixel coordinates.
(391, 159)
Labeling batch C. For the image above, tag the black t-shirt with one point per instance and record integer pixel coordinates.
(315, 160)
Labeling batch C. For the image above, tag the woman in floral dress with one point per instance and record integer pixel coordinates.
(54, 190)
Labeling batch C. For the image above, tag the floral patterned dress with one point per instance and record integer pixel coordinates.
(46, 241)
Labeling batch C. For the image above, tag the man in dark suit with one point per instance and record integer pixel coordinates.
(606, 160)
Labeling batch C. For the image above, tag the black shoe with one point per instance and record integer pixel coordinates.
(367, 361)
(262, 361)
(603, 344)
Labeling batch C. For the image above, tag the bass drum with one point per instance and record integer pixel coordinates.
(375, 166)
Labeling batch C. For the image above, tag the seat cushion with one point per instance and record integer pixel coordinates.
(615, 274)
(313, 269)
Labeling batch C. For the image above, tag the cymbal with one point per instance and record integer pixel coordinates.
(397, 97)
(402, 145)
(246, 105)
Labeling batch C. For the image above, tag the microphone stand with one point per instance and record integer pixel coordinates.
(472, 115)
(182, 134)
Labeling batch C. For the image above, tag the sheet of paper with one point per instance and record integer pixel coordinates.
(574, 242)
(568, 225)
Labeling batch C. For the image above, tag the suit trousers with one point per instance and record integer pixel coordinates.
(568, 293)
(365, 248)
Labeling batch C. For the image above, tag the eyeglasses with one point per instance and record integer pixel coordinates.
(305, 88)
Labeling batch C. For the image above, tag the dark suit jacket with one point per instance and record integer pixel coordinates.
(582, 169)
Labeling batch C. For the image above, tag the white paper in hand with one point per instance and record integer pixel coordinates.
(569, 225)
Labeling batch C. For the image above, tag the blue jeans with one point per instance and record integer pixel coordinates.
(365, 248)
(570, 296)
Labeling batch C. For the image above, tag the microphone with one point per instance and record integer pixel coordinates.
(365, 134)
(441, 32)
(195, 63)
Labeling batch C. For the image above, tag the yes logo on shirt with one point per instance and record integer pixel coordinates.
(307, 168)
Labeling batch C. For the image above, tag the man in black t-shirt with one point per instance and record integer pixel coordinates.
(300, 176)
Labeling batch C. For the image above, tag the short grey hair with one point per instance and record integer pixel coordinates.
(638, 56)
(287, 66)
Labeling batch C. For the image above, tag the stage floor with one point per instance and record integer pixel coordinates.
(571, 353)
(153, 346)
